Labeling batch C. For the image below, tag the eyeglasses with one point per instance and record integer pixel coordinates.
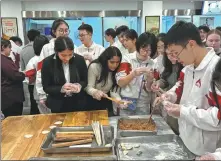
(82, 35)
(146, 50)
(64, 31)
(175, 55)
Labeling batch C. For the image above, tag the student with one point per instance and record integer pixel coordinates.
(198, 122)
(130, 38)
(168, 79)
(26, 54)
(101, 79)
(12, 96)
(214, 40)
(120, 42)
(64, 77)
(31, 70)
(214, 99)
(203, 33)
(59, 28)
(17, 40)
(16, 43)
(89, 49)
(110, 36)
(132, 75)
(158, 58)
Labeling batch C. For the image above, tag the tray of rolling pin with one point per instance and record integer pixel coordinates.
(95, 138)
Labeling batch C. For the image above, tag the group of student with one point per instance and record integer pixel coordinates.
(135, 68)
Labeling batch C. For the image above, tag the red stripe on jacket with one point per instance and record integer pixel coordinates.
(31, 74)
(212, 102)
(179, 90)
(39, 66)
(125, 67)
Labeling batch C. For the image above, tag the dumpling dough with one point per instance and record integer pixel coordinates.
(58, 122)
(45, 132)
(51, 127)
(28, 136)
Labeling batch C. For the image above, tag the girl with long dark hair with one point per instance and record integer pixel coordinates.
(168, 79)
(101, 79)
(64, 76)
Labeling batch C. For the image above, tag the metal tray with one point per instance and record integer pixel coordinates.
(111, 158)
(165, 147)
(131, 133)
(109, 139)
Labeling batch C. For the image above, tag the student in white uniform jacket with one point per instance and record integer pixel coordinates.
(31, 69)
(133, 72)
(199, 124)
(89, 49)
(214, 98)
(59, 28)
(120, 42)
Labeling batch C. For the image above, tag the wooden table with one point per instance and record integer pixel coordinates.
(14, 146)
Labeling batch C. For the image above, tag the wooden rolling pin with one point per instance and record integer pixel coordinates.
(76, 133)
(73, 137)
(79, 142)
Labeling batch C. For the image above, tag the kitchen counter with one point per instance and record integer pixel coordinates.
(16, 143)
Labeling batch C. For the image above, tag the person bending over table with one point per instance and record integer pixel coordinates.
(102, 82)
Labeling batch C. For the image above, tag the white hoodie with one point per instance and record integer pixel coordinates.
(199, 123)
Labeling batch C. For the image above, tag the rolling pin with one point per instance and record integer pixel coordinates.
(79, 142)
(76, 133)
(73, 137)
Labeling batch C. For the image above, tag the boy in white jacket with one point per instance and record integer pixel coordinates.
(199, 122)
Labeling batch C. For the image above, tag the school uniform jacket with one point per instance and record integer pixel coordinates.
(51, 86)
(199, 122)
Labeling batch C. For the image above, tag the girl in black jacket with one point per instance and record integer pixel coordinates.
(64, 76)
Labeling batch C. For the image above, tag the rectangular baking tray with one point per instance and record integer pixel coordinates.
(109, 139)
(103, 158)
(158, 147)
(131, 133)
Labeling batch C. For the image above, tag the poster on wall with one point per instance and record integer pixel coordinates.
(152, 24)
(9, 27)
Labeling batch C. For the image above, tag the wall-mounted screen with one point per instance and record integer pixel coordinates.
(211, 7)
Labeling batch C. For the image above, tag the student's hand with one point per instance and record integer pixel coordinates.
(172, 109)
(76, 88)
(88, 57)
(155, 87)
(66, 88)
(208, 156)
(149, 73)
(98, 95)
(139, 71)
